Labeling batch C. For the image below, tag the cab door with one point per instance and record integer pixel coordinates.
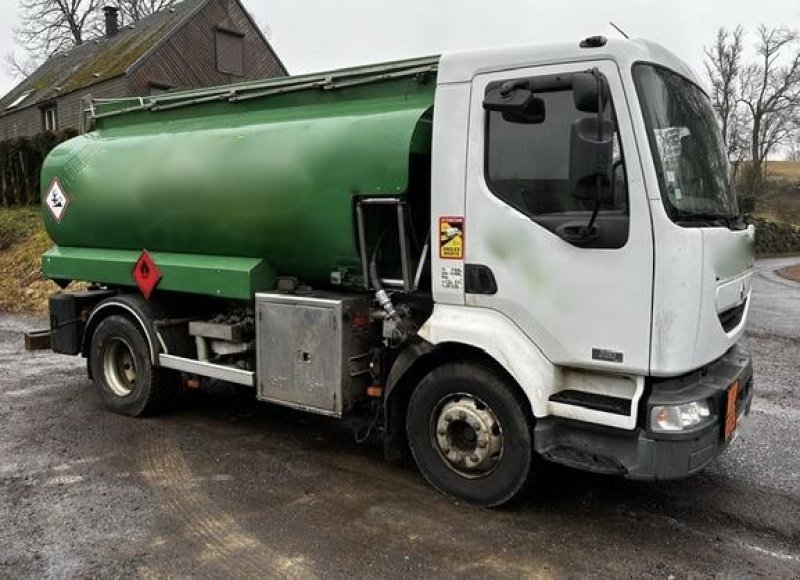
(583, 297)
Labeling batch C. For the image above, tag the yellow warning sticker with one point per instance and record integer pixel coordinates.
(451, 238)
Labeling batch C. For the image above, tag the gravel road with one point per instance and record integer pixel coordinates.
(228, 487)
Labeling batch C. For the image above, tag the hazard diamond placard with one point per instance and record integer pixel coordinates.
(146, 274)
(56, 200)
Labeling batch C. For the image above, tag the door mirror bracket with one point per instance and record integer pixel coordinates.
(515, 101)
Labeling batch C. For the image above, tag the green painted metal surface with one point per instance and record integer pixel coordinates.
(221, 276)
(271, 177)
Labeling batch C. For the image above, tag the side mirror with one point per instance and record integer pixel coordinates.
(586, 90)
(591, 159)
(516, 102)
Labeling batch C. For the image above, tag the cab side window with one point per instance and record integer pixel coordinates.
(536, 168)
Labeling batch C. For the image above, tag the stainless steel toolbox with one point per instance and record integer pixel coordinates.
(313, 350)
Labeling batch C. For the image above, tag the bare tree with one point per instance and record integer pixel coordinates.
(19, 67)
(723, 65)
(793, 142)
(135, 10)
(51, 26)
(770, 93)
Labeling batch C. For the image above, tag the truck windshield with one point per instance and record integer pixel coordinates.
(690, 155)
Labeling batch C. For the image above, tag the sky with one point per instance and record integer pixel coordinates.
(313, 35)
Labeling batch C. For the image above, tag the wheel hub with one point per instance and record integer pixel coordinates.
(119, 368)
(468, 436)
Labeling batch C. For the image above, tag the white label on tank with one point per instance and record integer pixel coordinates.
(57, 200)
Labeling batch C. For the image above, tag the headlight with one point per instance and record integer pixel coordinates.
(678, 417)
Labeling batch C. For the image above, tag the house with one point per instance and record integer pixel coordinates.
(195, 43)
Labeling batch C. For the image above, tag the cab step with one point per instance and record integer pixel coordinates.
(594, 401)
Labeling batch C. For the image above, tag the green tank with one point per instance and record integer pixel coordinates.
(229, 187)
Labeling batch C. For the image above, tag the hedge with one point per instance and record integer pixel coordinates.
(21, 161)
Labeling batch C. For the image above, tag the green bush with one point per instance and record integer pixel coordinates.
(776, 237)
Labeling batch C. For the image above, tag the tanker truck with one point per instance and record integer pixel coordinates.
(486, 260)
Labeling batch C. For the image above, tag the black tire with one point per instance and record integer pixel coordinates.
(123, 373)
(463, 385)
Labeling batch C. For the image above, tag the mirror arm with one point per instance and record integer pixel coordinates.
(599, 179)
(507, 87)
(598, 202)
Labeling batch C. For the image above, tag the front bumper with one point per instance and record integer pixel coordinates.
(642, 453)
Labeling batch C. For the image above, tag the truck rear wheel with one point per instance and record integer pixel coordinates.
(123, 373)
(469, 434)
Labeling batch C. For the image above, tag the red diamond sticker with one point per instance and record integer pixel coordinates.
(146, 274)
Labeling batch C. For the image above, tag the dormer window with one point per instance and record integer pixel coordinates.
(18, 101)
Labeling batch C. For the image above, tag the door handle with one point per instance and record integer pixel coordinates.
(479, 280)
(578, 233)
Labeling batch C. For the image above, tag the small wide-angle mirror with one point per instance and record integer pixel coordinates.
(533, 113)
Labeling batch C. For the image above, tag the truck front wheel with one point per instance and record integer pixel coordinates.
(123, 373)
(469, 434)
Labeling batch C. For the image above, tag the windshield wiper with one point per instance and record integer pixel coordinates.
(737, 222)
(704, 218)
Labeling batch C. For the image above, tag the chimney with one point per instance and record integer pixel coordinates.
(112, 20)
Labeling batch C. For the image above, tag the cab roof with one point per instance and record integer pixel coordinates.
(462, 67)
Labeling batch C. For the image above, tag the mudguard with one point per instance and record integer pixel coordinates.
(496, 335)
(143, 311)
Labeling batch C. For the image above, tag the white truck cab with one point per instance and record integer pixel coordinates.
(624, 340)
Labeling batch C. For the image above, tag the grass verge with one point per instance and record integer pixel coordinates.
(22, 243)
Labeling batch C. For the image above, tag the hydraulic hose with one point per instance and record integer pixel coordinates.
(380, 293)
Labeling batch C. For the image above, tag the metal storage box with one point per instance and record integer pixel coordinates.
(68, 314)
(313, 350)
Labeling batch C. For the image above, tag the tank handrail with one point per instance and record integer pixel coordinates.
(406, 267)
(330, 84)
(244, 92)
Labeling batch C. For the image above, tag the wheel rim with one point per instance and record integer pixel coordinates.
(119, 367)
(467, 435)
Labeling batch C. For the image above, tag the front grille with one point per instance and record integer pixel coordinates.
(731, 318)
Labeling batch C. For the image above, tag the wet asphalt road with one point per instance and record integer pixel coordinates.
(228, 487)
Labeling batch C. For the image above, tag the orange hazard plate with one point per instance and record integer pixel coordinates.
(731, 417)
